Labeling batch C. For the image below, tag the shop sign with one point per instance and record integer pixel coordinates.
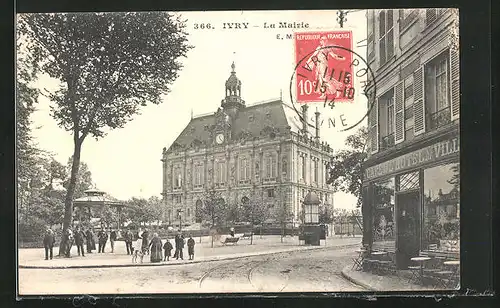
(413, 159)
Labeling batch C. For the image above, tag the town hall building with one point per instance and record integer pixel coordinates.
(254, 151)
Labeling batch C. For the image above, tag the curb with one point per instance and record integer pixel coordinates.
(192, 262)
(358, 282)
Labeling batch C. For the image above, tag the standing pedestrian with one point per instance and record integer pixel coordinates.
(190, 244)
(155, 247)
(103, 238)
(90, 241)
(180, 245)
(168, 249)
(128, 241)
(145, 241)
(48, 242)
(112, 239)
(79, 240)
(69, 240)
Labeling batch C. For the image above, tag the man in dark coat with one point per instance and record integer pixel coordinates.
(48, 242)
(112, 239)
(79, 240)
(103, 238)
(90, 241)
(128, 241)
(179, 245)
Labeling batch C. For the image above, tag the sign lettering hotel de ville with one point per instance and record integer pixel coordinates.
(428, 154)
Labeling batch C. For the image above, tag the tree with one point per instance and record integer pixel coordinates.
(214, 209)
(83, 178)
(109, 65)
(283, 215)
(233, 213)
(254, 211)
(325, 215)
(154, 210)
(345, 169)
(27, 160)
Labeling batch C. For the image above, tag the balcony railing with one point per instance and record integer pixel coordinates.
(439, 119)
(269, 180)
(220, 185)
(387, 142)
(245, 182)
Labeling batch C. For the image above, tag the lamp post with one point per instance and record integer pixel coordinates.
(179, 213)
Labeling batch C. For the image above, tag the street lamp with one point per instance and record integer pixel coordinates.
(179, 213)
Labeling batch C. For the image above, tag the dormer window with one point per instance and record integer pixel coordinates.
(251, 118)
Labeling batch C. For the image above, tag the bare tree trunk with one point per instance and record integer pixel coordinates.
(68, 202)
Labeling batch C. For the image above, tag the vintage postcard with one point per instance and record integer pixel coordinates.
(238, 151)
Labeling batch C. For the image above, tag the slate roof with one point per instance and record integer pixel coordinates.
(275, 116)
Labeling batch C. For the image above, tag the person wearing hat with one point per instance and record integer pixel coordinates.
(48, 242)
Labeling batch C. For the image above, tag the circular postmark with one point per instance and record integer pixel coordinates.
(333, 85)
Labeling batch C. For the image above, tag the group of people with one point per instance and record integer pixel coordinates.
(78, 238)
(157, 250)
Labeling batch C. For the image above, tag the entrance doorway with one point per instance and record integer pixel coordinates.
(408, 226)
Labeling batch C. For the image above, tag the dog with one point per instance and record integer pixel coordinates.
(137, 254)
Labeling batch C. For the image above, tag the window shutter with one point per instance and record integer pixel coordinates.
(419, 101)
(399, 117)
(374, 127)
(455, 83)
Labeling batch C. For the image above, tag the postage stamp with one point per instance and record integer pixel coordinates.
(324, 66)
(328, 71)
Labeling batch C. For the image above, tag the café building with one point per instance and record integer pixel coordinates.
(411, 180)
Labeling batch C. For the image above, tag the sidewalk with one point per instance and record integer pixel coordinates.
(375, 282)
(34, 257)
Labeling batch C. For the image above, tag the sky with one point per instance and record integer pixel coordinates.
(126, 162)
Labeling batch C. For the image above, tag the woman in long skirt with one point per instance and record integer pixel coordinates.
(155, 248)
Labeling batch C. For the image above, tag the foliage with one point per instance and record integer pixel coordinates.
(345, 169)
(325, 215)
(233, 213)
(214, 208)
(83, 178)
(109, 65)
(254, 210)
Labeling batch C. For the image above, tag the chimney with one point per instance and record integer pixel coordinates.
(317, 124)
(304, 118)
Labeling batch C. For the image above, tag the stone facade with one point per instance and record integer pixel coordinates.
(257, 151)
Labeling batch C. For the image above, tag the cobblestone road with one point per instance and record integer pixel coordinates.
(299, 271)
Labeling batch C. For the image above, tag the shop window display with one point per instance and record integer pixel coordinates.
(383, 218)
(441, 208)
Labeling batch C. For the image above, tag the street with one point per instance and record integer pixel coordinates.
(297, 271)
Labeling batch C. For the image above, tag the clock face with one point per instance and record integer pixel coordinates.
(219, 138)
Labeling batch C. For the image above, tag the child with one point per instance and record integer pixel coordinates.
(138, 250)
(168, 248)
(190, 244)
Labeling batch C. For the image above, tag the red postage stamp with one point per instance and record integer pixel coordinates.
(324, 66)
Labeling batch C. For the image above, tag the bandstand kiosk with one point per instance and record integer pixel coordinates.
(95, 200)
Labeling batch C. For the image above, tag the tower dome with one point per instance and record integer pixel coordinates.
(232, 103)
(233, 84)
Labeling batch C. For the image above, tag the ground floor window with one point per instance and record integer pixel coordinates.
(441, 219)
(383, 211)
